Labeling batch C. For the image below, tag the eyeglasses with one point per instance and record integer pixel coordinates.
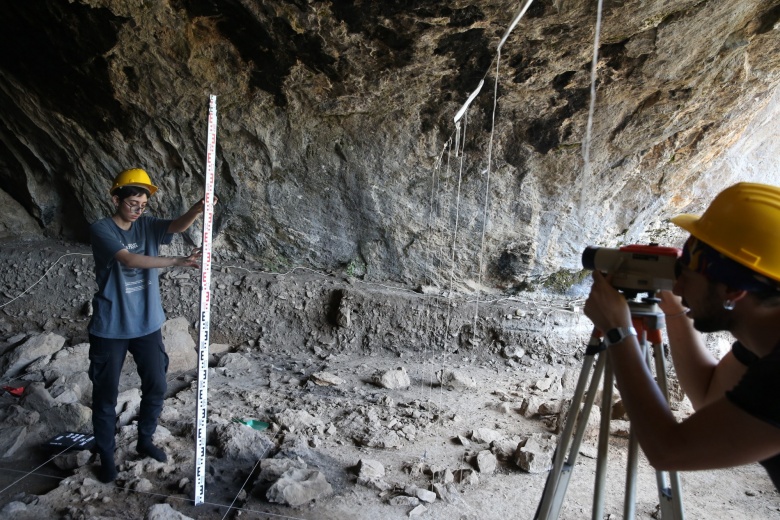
(135, 208)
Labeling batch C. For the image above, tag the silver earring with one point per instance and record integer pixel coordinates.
(728, 305)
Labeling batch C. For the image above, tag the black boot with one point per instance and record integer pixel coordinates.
(107, 471)
(146, 448)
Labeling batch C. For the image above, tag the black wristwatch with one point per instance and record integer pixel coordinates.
(618, 334)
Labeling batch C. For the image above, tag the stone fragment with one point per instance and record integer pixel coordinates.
(535, 453)
(240, 443)
(299, 486)
(370, 469)
(425, 495)
(71, 417)
(65, 362)
(456, 380)
(128, 404)
(466, 476)
(505, 448)
(403, 500)
(326, 379)
(551, 407)
(14, 362)
(272, 469)
(485, 435)
(447, 492)
(376, 483)
(486, 462)
(72, 459)
(344, 315)
(142, 485)
(235, 364)
(37, 398)
(418, 511)
(179, 345)
(298, 420)
(164, 512)
(513, 352)
(620, 428)
(381, 439)
(393, 379)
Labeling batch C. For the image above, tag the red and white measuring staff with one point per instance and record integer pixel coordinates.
(205, 308)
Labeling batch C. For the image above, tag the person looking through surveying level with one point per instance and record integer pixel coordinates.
(728, 277)
(127, 311)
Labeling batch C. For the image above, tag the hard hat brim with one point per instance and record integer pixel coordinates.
(686, 221)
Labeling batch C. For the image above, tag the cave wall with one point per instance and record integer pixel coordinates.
(336, 145)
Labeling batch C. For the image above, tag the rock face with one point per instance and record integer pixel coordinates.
(336, 142)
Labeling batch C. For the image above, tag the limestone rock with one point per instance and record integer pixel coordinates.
(164, 512)
(370, 469)
(42, 345)
(393, 379)
(485, 435)
(272, 469)
(326, 379)
(297, 487)
(455, 379)
(486, 462)
(241, 443)
(535, 454)
(179, 345)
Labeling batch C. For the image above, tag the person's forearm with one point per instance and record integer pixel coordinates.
(693, 363)
(184, 222)
(150, 262)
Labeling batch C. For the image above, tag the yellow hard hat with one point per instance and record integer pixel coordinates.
(134, 177)
(743, 223)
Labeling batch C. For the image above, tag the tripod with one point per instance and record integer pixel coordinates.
(648, 321)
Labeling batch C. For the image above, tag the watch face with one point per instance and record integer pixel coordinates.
(614, 336)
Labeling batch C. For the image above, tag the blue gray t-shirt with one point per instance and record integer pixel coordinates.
(127, 303)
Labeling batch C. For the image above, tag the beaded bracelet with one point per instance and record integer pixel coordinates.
(677, 315)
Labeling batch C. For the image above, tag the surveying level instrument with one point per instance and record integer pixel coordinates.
(648, 320)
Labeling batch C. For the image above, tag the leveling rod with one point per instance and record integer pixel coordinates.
(205, 308)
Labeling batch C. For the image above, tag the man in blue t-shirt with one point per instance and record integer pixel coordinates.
(728, 280)
(127, 311)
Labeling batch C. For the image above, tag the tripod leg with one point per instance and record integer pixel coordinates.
(603, 450)
(669, 486)
(632, 461)
(558, 478)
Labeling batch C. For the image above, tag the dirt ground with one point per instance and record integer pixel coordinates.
(282, 331)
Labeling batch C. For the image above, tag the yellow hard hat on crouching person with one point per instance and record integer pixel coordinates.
(742, 223)
(134, 177)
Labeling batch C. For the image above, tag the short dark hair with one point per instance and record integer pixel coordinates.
(130, 191)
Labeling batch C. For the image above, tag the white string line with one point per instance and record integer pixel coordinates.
(487, 188)
(431, 218)
(585, 178)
